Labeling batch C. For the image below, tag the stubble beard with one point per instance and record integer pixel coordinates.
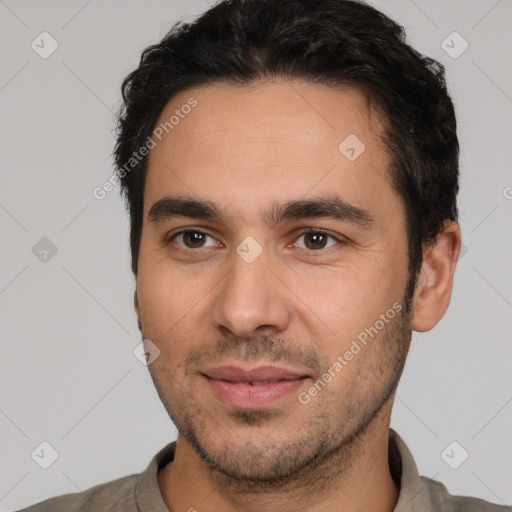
(324, 445)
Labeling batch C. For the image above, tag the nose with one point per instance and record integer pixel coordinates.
(251, 300)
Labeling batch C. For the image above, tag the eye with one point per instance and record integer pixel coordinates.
(314, 239)
(191, 239)
(317, 240)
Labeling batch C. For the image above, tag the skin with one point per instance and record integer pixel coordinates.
(299, 304)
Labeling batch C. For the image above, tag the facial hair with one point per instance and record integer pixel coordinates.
(324, 443)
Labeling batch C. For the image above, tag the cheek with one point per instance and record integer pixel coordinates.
(347, 301)
(166, 297)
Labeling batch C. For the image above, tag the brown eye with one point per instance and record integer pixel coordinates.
(192, 239)
(316, 240)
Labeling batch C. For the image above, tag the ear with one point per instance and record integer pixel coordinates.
(435, 280)
(137, 309)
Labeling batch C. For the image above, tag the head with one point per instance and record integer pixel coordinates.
(250, 114)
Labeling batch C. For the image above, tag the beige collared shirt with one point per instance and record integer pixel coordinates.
(140, 492)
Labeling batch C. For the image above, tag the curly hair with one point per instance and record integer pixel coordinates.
(330, 42)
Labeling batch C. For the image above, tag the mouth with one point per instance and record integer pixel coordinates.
(253, 388)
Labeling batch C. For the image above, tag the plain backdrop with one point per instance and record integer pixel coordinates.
(68, 374)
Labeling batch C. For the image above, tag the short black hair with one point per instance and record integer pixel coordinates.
(330, 42)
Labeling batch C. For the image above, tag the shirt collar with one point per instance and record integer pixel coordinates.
(147, 492)
(413, 495)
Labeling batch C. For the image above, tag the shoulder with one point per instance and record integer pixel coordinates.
(441, 499)
(114, 496)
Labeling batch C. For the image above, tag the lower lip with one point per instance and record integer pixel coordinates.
(245, 396)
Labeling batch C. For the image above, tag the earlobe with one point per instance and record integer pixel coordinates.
(435, 281)
(137, 309)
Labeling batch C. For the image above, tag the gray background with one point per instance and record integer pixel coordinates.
(68, 374)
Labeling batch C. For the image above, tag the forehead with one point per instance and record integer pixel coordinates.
(269, 140)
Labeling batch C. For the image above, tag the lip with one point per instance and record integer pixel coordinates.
(260, 373)
(232, 385)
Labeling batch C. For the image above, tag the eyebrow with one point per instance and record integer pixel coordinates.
(170, 207)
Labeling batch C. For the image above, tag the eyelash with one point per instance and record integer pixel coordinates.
(307, 231)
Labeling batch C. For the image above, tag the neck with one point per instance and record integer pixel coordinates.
(356, 477)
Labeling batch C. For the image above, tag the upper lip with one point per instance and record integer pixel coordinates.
(261, 373)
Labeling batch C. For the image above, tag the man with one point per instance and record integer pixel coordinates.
(291, 172)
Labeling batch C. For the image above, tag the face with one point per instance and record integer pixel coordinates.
(271, 254)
